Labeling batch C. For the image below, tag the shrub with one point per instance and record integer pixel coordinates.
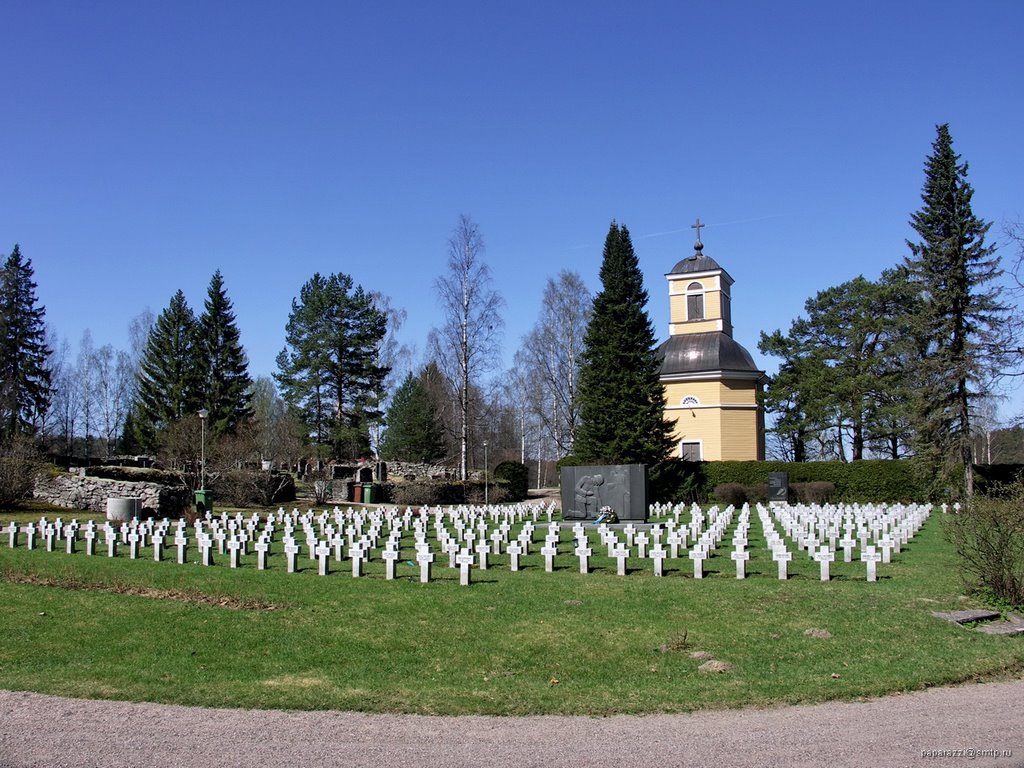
(731, 493)
(241, 488)
(816, 492)
(19, 464)
(988, 535)
(516, 477)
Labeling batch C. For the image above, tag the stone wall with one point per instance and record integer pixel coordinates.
(401, 470)
(91, 493)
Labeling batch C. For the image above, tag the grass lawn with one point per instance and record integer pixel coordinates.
(513, 643)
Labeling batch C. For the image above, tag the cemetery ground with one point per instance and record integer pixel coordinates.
(512, 643)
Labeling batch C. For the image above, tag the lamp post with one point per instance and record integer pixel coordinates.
(203, 415)
(486, 484)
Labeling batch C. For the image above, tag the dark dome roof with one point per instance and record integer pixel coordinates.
(696, 263)
(698, 352)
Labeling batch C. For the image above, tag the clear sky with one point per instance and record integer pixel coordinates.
(144, 145)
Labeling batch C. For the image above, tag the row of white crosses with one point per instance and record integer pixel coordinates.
(469, 535)
(875, 530)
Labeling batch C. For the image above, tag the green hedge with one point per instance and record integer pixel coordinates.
(875, 480)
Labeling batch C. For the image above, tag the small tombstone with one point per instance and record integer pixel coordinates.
(133, 544)
(482, 550)
(90, 541)
(697, 555)
(206, 547)
(583, 552)
(356, 552)
(234, 547)
(111, 546)
(291, 551)
(158, 548)
(514, 549)
(658, 556)
(425, 558)
(871, 557)
(847, 544)
(621, 554)
(69, 538)
(390, 557)
(181, 542)
(782, 556)
(824, 556)
(465, 559)
(740, 556)
(886, 545)
(323, 553)
(549, 553)
(12, 534)
(262, 547)
(30, 537)
(641, 543)
(48, 535)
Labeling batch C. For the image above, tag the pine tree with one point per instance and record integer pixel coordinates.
(961, 320)
(168, 385)
(414, 431)
(622, 402)
(221, 362)
(24, 372)
(328, 371)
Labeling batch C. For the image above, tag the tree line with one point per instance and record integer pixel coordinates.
(890, 367)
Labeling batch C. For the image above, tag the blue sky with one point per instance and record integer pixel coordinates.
(145, 145)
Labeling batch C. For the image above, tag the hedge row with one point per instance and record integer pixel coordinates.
(860, 481)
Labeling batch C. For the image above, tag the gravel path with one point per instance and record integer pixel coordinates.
(37, 730)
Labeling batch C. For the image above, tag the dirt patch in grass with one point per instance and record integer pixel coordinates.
(181, 595)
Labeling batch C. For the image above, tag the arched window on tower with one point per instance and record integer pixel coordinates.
(695, 301)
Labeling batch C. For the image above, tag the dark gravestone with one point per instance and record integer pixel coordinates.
(623, 487)
(778, 486)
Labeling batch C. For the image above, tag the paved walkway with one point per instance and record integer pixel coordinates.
(904, 730)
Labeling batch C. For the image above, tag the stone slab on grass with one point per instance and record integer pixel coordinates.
(1008, 628)
(965, 617)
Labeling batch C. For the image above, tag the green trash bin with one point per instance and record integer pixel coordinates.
(204, 502)
(368, 493)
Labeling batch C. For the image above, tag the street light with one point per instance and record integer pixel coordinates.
(486, 495)
(203, 415)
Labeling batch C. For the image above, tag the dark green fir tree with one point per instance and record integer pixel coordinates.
(961, 324)
(414, 431)
(622, 402)
(223, 368)
(168, 385)
(24, 373)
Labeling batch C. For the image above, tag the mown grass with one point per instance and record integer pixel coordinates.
(513, 643)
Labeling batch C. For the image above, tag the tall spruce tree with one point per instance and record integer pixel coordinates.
(24, 372)
(960, 324)
(414, 432)
(328, 371)
(622, 402)
(168, 384)
(222, 365)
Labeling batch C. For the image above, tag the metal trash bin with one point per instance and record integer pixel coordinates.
(204, 501)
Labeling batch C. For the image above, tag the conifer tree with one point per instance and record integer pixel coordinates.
(24, 372)
(168, 385)
(222, 365)
(329, 372)
(622, 402)
(414, 431)
(960, 325)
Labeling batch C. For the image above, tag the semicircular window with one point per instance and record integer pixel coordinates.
(689, 401)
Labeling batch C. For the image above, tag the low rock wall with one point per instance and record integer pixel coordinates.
(91, 493)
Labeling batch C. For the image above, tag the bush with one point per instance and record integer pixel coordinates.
(242, 488)
(988, 535)
(817, 492)
(19, 464)
(731, 493)
(516, 477)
